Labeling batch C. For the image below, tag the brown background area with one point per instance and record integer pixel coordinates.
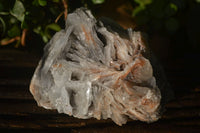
(20, 113)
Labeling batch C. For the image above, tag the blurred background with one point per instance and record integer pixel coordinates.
(172, 25)
(173, 34)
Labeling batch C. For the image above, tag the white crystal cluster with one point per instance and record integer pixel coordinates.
(89, 71)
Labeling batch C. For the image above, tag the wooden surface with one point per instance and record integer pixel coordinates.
(20, 113)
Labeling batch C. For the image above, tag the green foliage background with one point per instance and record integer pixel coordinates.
(38, 16)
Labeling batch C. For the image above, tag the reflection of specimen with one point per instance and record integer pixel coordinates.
(89, 70)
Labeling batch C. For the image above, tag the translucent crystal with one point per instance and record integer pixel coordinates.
(90, 70)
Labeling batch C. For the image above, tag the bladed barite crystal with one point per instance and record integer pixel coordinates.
(88, 70)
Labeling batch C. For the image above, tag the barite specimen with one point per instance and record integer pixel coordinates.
(89, 70)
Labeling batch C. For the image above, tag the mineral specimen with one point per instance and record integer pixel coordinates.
(90, 70)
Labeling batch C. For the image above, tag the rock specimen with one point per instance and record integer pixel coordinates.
(90, 70)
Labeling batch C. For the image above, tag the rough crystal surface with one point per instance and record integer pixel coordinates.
(89, 70)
